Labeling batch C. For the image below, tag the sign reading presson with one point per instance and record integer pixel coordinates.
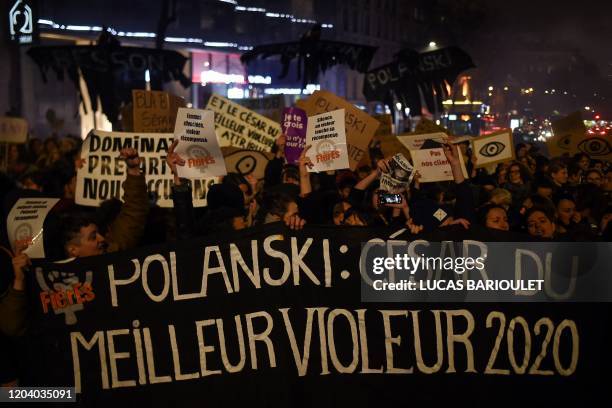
(103, 173)
(25, 221)
(240, 127)
(198, 144)
(328, 140)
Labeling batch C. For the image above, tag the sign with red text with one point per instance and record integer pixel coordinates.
(360, 127)
(25, 221)
(433, 166)
(327, 137)
(198, 144)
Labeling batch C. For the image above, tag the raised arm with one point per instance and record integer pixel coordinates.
(464, 204)
(128, 227)
(184, 216)
(305, 163)
(451, 151)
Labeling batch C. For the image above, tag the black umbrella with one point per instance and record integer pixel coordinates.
(314, 55)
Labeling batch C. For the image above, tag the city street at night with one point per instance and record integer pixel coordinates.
(305, 203)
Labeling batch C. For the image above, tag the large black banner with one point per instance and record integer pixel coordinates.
(111, 71)
(314, 55)
(413, 77)
(273, 317)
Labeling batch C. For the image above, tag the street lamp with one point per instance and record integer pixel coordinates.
(432, 44)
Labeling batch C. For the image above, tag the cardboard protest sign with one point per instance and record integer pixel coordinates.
(246, 162)
(567, 133)
(25, 221)
(399, 177)
(198, 144)
(240, 127)
(269, 106)
(327, 137)
(571, 136)
(494, 148)
(433, 166)
(151, 111)
(13, 130)
(360, 127)
(596, 146)
(103, 173)
(294, 125)
(273, 317)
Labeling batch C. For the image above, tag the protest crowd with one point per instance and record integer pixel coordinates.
(539, 198)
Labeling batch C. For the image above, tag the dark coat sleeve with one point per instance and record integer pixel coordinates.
(13, 312)
(464, 203)
(128, 227)
(184, 216)
(272, 174)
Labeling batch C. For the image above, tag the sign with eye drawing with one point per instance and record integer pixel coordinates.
(246, 162)
(493, 148)
(571, 136)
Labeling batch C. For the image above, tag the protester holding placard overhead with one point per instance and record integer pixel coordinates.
(79, 236)
(429, 183)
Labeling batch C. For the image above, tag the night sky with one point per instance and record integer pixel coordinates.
(584, 25)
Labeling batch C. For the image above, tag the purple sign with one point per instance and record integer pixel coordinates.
(293, 126)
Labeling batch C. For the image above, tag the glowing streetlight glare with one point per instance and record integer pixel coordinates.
(432, 44)
(398, 106)
(505, 88)
(490, 88)
(587, 108)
